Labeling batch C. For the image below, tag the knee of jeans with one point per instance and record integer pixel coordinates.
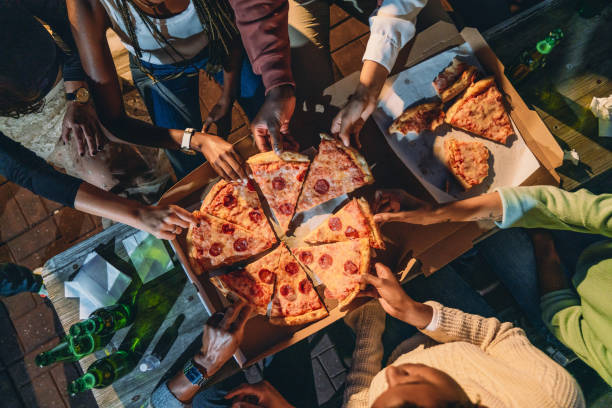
(309, 23)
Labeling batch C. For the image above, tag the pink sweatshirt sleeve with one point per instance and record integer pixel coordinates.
(263, 27)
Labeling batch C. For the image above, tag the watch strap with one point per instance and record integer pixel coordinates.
(186, 141)
(193, 374)
(70, 96)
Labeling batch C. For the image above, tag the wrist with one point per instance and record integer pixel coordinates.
(372, 77)
(281, 91)
(417, 314)
(205, 364)
(198, 140)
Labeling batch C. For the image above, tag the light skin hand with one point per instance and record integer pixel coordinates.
(272, 120)
(221, 155)
(394, 300)
(164, 222)
(263, 392)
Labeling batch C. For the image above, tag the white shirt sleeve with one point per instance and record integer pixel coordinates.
(392, 25)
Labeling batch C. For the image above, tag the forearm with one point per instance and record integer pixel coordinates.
(417, 314)
(71, 86)
(550, 272)
(371, 79)
(231, 70)
(129, 130)
(95, 201)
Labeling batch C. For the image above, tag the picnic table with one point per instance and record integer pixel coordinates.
(579, 68)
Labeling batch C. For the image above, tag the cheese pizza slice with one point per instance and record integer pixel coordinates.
(335, 170)
(339, 266)
(419, 118)
(295, 300)
(353, 221)
(280, 179)
(213, 242)
(467, 161)
(454, 79)
(481, 111)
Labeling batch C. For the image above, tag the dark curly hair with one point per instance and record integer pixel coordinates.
(15, 102)
(452, 404)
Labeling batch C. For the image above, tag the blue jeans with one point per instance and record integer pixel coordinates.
(15, 279)
(175, 103)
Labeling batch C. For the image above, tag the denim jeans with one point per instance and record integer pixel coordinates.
(175, 103)
(15, 279)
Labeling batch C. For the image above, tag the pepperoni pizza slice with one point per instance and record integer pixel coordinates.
(295, 300)
(335, 170)
(454, 79)
(467, 161)
(280, 179)
(214, 242)
(481, 111)
(238, 203)
(419, 118)
(352, 221)
(339, 266)
(253, 283)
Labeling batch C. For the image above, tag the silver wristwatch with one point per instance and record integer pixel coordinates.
(186, 141)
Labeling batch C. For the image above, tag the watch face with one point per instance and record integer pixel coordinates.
(82, 95)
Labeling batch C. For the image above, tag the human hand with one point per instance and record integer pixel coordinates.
(349, 121)
(221, 115)
(164, 222)
(221, 155)
(81, 121)
(222, 335)
(263, 392)
(272, 120)
(398, 205)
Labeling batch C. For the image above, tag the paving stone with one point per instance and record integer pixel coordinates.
(34, 239)
(12, 222)
(346, 32)
(38, 258)
(24, 370)
(346, 60)
(5, 254)
(325, 389)
(50, 205)
(72, 223)
(42, 393)
(336, 15)
(10, 349)
(19, 304)
(239, 134)
(64, 374)
(322, 344)
(35, 328)
(331, 362)
(31, 205)
(8, 392)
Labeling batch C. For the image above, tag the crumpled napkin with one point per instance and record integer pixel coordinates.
(602, 109)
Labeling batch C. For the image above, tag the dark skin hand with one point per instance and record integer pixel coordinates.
(550, 272)
(271, 125)
(81, 125)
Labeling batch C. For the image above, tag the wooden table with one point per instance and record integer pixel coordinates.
(162, 300)
(578, 69)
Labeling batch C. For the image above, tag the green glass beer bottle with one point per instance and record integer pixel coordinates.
(531, 60)
(105, 320)
(104, 372)
(70, 349)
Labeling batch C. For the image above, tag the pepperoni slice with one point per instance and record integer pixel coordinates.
(301, 176)
(350, 268)
(250, 185)
(278, 183)
(255, 216)
(241, 245)
(321, 186)
(230, 201)
(351, 232)
(287, 291)
(305, 286)
(334, 224)
(286, 209)
(215, 249)
(292, 268)
(306, 257)
(325, 261)
(228, 229)
(266, 276)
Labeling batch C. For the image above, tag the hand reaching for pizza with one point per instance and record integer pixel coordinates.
(272, 121)
(393, 299)
(221, 155)
(260, 395)
(164, 222)
(398, 205)
(222, 335)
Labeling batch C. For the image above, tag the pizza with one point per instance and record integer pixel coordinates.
(353, 221)
(254, 283)
(419, 118)
(238, 203)
(214, 242)
(481, 111)
(339, 266)
(280, 179)
(335, 170)
(467, 161)
(295, 300)
(454, 79)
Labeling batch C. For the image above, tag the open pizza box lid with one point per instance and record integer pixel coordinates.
(429, 247)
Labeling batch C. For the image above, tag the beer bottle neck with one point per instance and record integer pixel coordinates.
(84, 383)
(87, 326)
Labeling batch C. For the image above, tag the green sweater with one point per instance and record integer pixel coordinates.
(584, 322)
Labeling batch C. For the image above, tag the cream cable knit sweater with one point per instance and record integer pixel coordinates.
(494, 362)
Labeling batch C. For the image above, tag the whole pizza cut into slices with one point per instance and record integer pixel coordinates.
(254, 283)
(353, 221)
(467, 161)
(454, 79)
(419, 118)
(280, 179)
(339, 266)
(481, 111)
(295, 300)
(335, 170)
(238, 203)
(213, 242)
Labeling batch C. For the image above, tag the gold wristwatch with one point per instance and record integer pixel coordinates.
(81, 95)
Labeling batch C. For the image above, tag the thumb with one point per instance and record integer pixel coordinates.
(383, 271)
(275, 138)
(207, 123)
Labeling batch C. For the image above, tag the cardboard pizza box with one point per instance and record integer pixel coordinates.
(412, 249)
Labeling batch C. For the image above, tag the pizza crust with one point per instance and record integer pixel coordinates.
(307, 317)
(195, 265)
(355, 157)
(376, 241)
(214, 191)
(269, 157)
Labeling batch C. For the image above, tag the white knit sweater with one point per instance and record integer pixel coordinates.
(493, 362)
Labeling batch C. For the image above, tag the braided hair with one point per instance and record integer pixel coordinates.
(217, 19)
